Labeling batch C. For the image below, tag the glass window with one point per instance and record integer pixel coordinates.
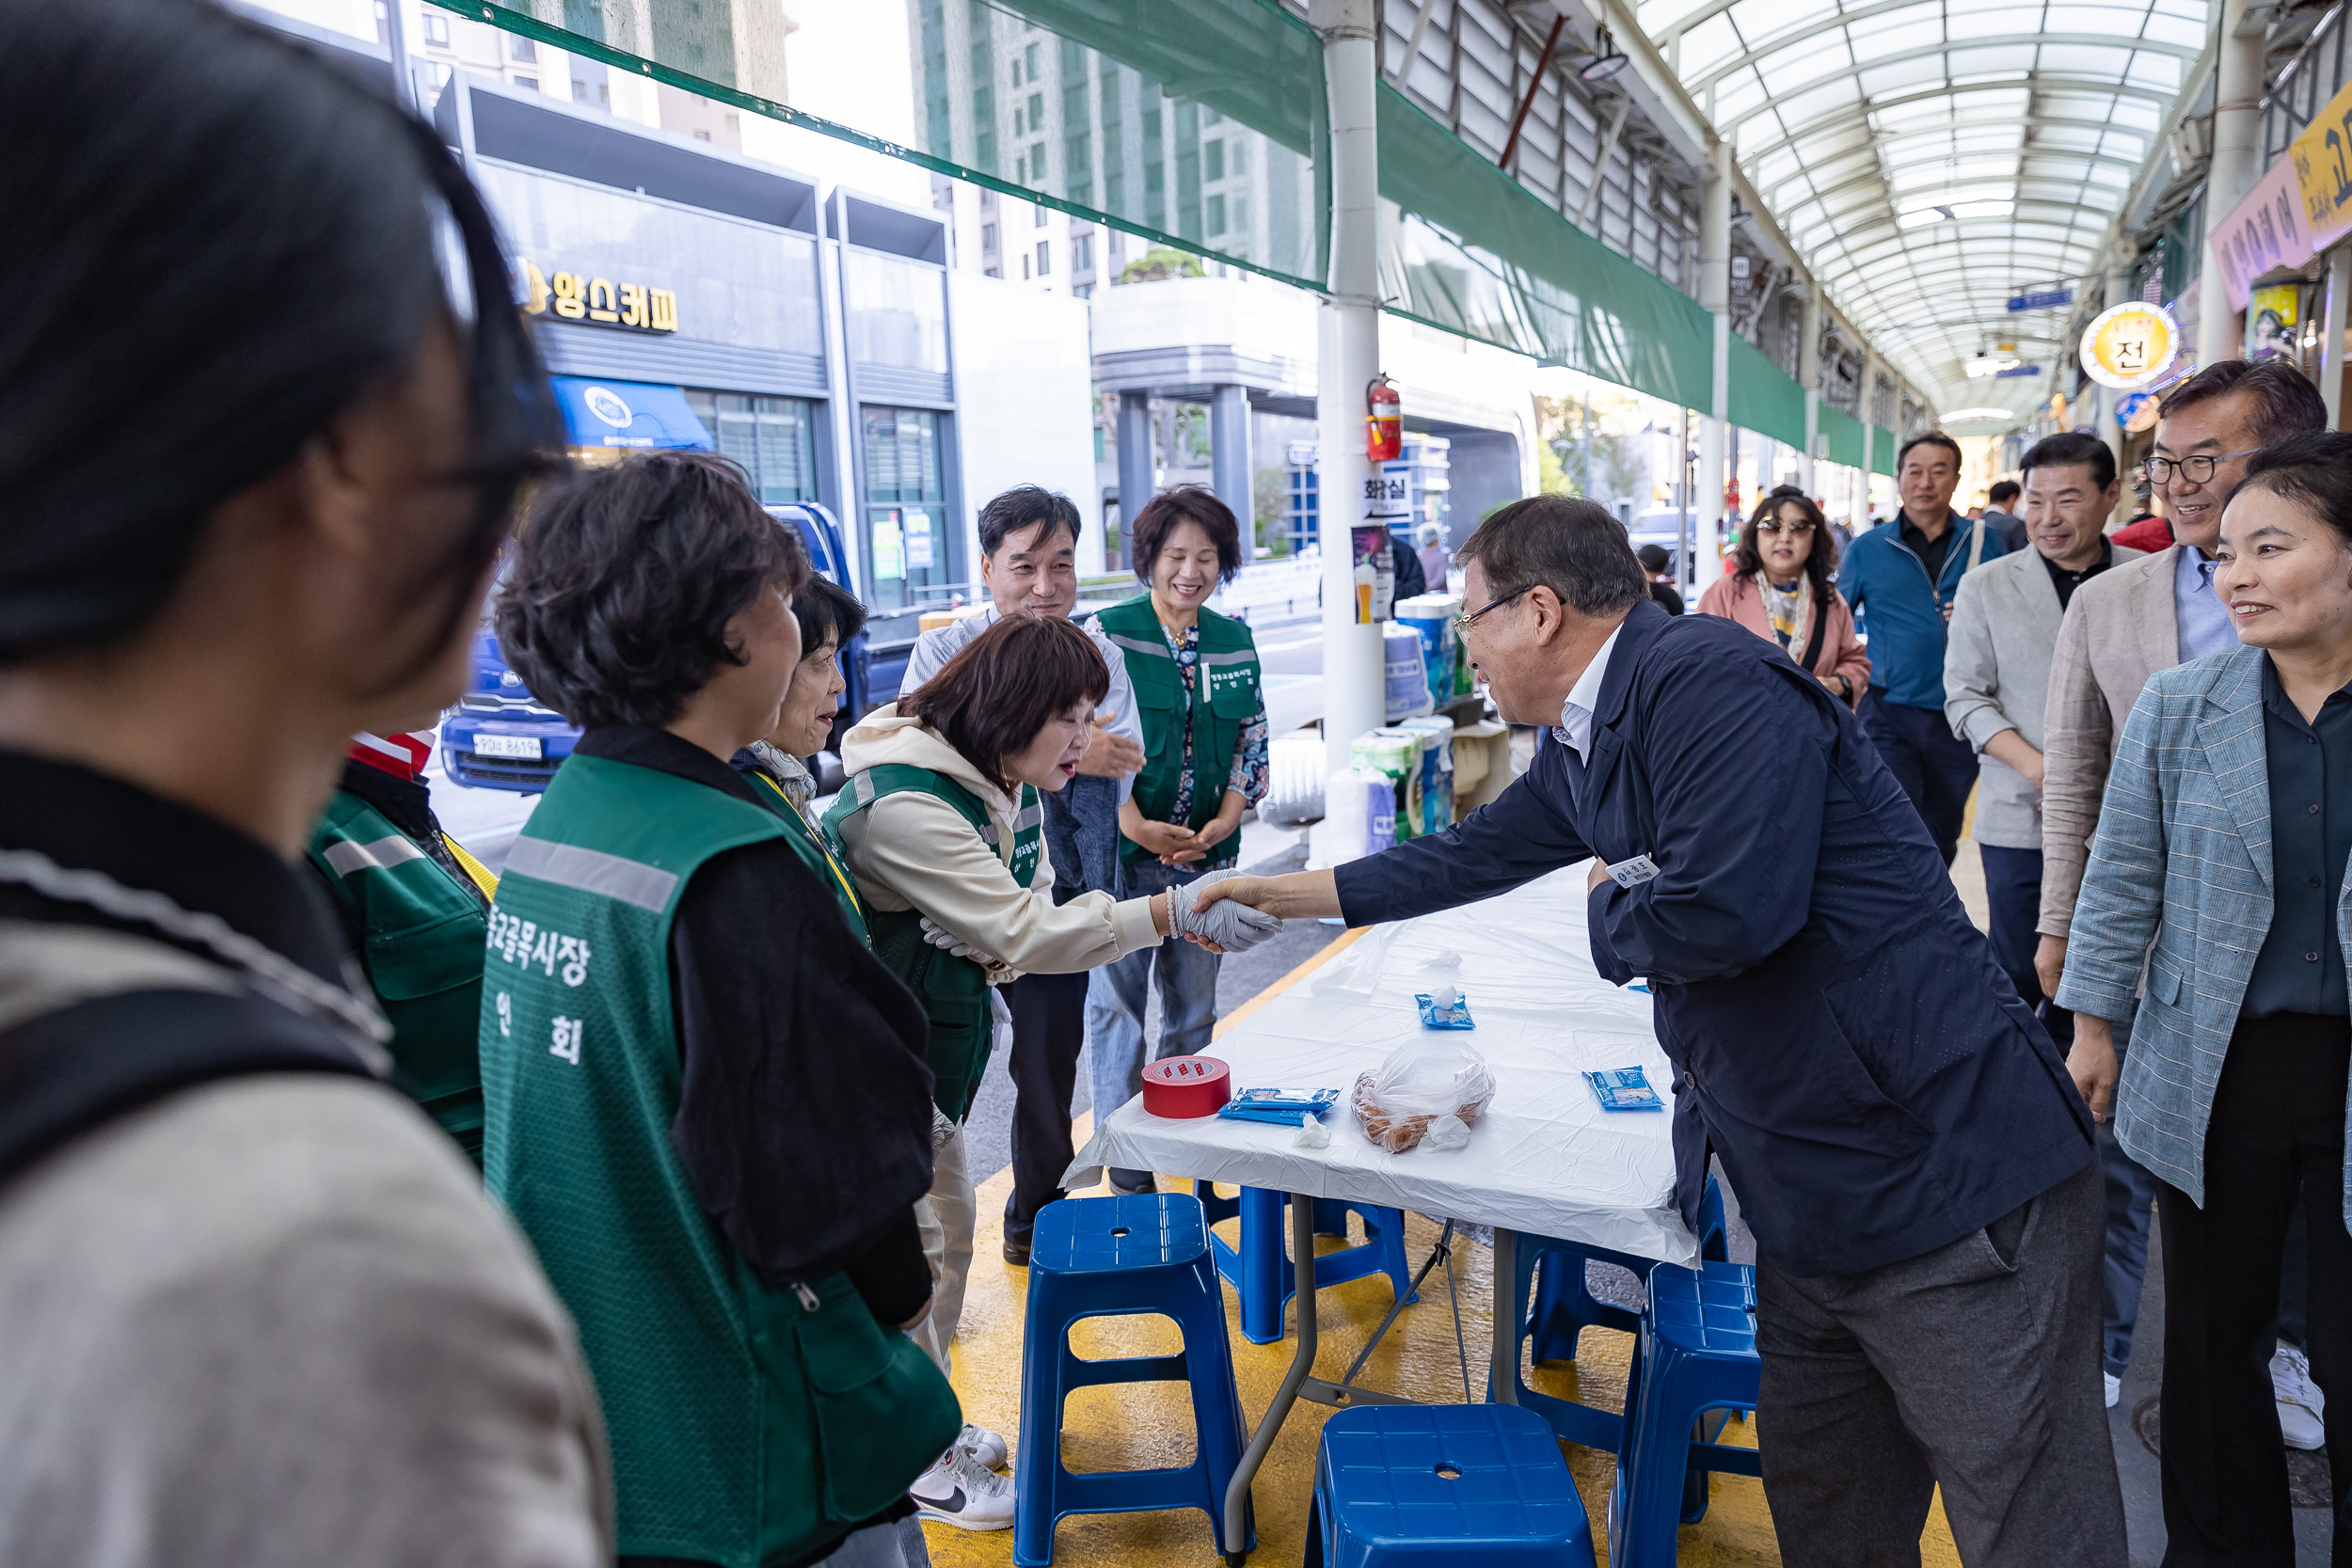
(898, 311)
(1217, 216)
(912, 547)
(1044, 258)
(774, 440)
(1213, 162)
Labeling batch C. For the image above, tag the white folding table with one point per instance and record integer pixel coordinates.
(1544, 1160)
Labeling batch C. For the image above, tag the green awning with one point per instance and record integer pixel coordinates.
(1845, 436)
(1883, 451)
(1763, 397)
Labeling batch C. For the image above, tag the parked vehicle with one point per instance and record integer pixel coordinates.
(502, 737)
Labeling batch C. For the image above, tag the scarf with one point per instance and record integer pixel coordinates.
(1791, 611)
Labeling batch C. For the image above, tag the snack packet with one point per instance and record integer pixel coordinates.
(1283, 1107)
(1446, 1009)
(1624, 1089)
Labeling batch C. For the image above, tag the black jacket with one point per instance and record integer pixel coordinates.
(1847, 1044)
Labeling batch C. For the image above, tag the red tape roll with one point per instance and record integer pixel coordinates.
(1186, 1086)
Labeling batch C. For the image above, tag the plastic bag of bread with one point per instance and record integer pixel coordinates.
(1432, 1078)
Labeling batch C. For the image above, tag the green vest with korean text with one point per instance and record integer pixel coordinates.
(1218, 701)
(749, 1421)
(421, 947)
(954, 991)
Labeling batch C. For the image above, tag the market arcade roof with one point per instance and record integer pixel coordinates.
(1931, 158)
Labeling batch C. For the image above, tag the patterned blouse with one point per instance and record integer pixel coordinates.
(1250, 771)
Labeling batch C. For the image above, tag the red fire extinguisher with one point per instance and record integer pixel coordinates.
(1384, 421)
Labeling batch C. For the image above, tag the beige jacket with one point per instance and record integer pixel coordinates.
(915, 851)
(2119, 629)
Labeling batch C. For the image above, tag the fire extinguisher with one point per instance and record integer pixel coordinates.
(1384, 421)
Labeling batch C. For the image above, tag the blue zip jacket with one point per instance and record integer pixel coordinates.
(1904, 620)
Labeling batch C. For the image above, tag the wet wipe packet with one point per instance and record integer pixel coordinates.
(1447, 1009)
(1283, 1107)
(1624, 1089)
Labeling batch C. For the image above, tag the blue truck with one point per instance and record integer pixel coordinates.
(502, 737)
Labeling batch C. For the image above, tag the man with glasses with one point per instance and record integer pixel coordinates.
(1903, 1140)
(2144, 616)
(1900, 578)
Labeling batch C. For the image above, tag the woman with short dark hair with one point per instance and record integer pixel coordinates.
(258, 447)
(828, 617)
(705, 1098)
(1204, 731)
(938, 823)
(2216, 903)
(1783, 585)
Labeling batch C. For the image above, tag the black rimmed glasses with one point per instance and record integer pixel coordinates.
(1462, 623)
(2196, 470)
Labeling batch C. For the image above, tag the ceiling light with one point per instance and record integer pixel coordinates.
(1608, 59)
(1967, 416)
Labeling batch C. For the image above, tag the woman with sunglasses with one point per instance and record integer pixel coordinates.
(1781, 586)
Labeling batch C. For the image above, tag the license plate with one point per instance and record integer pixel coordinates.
(507, 746)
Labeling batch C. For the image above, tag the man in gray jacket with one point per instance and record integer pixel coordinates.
(1997, 679)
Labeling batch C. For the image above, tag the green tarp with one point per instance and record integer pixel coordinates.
(1883, 451)
(1845, 436)
(1763, 397)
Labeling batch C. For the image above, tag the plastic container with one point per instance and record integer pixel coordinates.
(1436, 771)
(1405, 677)
(1293, 780)
(1186, 1086)
(1395, 754)
(1360, 818)
(1431, 616)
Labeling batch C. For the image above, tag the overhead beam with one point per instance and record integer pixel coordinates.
(2031, 81)
(1814, 28)
(1861, 110)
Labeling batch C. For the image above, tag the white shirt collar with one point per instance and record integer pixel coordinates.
(1576, 714)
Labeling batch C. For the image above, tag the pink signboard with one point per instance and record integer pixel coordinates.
(2266, 230)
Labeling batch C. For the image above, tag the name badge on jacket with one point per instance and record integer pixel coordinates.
(1634, 871)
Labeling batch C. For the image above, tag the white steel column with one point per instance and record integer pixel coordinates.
(1866, 407)
(1348, 356)
(1809, 377)
(1715, 299)
(2236, 162)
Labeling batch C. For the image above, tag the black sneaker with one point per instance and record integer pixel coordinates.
(1133, 1183)
(1017, 1249)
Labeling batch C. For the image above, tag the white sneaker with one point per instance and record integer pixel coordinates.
(987, 1450)
(956, 1491)
(2115, 1388)
(2300, 1403)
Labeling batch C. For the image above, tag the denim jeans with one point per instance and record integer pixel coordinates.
(2130, 1196)
(1116, 998)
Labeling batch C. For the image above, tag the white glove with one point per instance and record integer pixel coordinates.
(1234, 926)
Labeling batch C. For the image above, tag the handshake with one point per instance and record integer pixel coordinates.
(1222, 926)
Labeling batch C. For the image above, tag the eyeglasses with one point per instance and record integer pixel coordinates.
(2196, 470)
(1462, 623)
(1798, 528)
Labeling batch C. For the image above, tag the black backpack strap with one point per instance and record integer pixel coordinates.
(1820, 635)
(132, 1021)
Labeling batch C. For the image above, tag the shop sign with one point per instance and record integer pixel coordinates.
(2265, 231)
(918, 540)
(2044, 300)
(2271, 315)
(2130, 346)
(2136, 412)
(599, 301)
(2322, 157)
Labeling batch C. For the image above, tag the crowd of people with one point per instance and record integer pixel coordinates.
(360, 1205)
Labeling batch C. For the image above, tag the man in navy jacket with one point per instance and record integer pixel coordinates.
(1904, 1140)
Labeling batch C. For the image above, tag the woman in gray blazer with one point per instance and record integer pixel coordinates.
(2219, 874)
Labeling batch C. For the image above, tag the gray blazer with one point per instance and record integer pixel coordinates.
(1996, 676)
(2182, 860)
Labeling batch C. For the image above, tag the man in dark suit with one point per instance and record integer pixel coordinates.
(1904, 1140)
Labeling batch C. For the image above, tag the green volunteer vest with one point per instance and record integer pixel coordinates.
(421, 949)
(815, 852)
(954, 991)
(748, 1421)
(1219, 702)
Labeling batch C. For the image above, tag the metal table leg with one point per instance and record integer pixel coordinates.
(1502, 1361)
(1302, 1208)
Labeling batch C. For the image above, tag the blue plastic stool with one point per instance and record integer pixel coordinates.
(1565, 1303)
(1552, 1270)
(1436, 1485)
(1258, 1270)
(1693, 1358)
(1109, 1258)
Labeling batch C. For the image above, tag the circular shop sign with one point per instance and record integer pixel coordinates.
(606, 405)
(2130, 346)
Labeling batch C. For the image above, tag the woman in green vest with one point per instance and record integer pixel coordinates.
(1204, 734)
(707, 1103)
(938, 823)
(828, 617)
(413, 906)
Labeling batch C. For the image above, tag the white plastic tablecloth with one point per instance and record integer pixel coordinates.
(1544, 1160)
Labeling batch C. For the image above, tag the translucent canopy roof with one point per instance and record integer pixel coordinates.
(1931, 159)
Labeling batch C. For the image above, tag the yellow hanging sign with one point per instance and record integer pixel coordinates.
(2130, 346)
